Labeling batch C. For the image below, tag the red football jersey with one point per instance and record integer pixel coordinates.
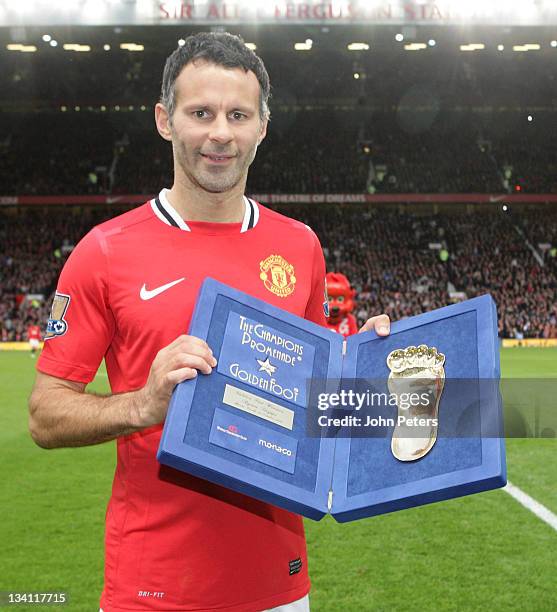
(173, 541)
(33, 332)
(347, 326)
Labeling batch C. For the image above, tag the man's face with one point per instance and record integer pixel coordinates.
(216, 126)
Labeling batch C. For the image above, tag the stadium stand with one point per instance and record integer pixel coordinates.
(393, 259)
(442, 123)
(434, 122)
(34, 245)
(87, 153)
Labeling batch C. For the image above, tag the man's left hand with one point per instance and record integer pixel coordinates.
(380, 324)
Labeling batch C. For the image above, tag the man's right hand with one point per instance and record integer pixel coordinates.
(179, 361)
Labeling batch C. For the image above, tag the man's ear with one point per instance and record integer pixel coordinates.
(263, 132)
(162, 121)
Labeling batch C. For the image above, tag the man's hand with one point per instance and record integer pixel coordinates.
(380, 324)
(62, 414)
(178, 361)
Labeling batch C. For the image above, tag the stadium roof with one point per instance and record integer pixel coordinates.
(399, 12)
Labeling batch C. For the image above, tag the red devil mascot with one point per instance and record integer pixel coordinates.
(341, 304)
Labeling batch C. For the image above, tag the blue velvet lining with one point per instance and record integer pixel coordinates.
(456, 337)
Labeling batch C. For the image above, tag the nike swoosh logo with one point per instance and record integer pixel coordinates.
(145, 294)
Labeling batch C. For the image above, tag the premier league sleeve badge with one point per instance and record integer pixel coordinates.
(57, 325)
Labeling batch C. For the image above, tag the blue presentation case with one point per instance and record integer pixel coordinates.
(245, 427)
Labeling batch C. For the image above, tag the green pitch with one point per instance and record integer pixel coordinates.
(466, 554)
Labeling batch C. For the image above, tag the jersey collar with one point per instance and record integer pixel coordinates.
(164, 210)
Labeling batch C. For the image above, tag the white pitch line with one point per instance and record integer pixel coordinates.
(531, 504)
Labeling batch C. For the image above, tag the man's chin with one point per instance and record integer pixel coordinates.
(214, 184)
(217, 188)
(218, 180)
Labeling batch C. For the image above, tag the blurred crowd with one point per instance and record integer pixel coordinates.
(33, 248)
(401, 263)
(404, 264)
(304, 152)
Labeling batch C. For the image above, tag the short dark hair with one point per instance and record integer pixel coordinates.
(219, 48)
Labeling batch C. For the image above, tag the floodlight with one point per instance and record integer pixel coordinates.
(131, 47)
(21, 48)
(358, 46)
(415, 46)
(76, 47)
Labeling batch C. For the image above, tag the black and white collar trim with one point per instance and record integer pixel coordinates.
(164, 210)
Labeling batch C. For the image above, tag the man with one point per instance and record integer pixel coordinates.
(34, 338)
(175, 542)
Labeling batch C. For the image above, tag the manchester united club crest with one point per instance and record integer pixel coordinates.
(278, 275)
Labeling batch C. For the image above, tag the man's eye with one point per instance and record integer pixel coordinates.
(200, 114)
(237, 115)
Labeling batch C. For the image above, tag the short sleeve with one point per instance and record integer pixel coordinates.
(81, 325)
(318, 300)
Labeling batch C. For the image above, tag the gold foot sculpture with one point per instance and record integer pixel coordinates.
(416, 380)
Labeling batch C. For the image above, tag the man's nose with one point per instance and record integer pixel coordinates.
(220, 129)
